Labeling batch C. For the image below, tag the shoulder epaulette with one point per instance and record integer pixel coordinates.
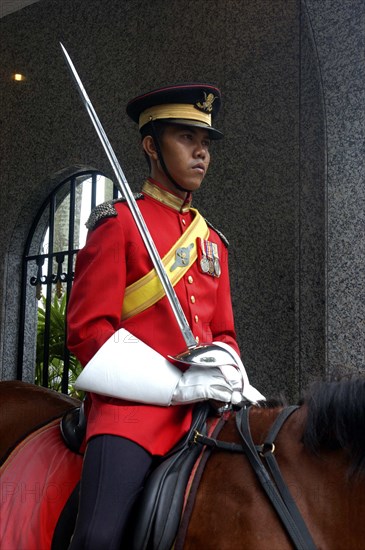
(224, 239)
(106, 210)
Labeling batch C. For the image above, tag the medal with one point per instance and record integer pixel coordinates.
(216, 263)
(208, 257)
(217, 267)
(204, 264)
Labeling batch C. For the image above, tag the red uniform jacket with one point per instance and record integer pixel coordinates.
(114, 257)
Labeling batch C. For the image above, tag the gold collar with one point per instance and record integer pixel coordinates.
(160, 194)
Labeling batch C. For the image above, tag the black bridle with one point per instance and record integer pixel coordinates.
(274, 484)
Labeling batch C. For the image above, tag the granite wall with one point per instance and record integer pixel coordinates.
(286, 184)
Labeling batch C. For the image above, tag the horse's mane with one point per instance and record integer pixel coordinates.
(336, 419)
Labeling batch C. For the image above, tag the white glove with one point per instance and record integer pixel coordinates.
(234, 377)
(246, 391)
(200, 384)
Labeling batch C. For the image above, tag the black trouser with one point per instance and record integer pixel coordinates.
(113, 474)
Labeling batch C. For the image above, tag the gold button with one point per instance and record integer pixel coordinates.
(192, 299)
(190, 279)
(196, 318)
(197, 339)
(183, 221)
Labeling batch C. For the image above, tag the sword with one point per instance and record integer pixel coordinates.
(203, 354)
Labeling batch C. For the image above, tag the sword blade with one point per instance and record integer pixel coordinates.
(123, 186)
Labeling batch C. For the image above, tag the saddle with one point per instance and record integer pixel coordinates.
(161, 503)
(158, 511)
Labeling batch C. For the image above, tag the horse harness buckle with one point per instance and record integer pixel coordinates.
(266, 448)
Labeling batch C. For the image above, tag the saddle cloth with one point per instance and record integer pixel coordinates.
(36, 481)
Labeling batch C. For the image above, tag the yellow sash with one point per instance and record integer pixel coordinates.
(148, 290)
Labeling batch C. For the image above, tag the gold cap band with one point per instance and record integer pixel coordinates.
(174, 110)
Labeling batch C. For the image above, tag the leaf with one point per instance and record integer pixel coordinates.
(56, 346)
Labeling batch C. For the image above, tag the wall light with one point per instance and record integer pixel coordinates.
(18, 77)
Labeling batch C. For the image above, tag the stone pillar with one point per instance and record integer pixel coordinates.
(338, 39)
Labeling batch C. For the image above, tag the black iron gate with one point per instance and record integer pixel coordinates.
(47, 274)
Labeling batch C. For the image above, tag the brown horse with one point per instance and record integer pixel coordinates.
(320, 451)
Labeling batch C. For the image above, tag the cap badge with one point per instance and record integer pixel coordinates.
(207, 105)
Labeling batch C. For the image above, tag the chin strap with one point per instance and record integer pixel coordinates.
(161, 159)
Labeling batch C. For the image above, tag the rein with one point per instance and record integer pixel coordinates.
(274, 486)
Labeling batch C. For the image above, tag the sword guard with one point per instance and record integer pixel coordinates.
(208, 355)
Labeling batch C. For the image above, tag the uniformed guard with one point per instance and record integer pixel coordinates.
(120, 324)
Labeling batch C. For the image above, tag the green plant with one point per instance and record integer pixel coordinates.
(57, 348)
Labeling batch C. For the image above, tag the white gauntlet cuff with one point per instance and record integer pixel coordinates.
(126, 368)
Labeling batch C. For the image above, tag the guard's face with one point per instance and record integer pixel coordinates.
(185, 150)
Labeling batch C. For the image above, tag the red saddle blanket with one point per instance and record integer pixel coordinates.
(35, 482)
